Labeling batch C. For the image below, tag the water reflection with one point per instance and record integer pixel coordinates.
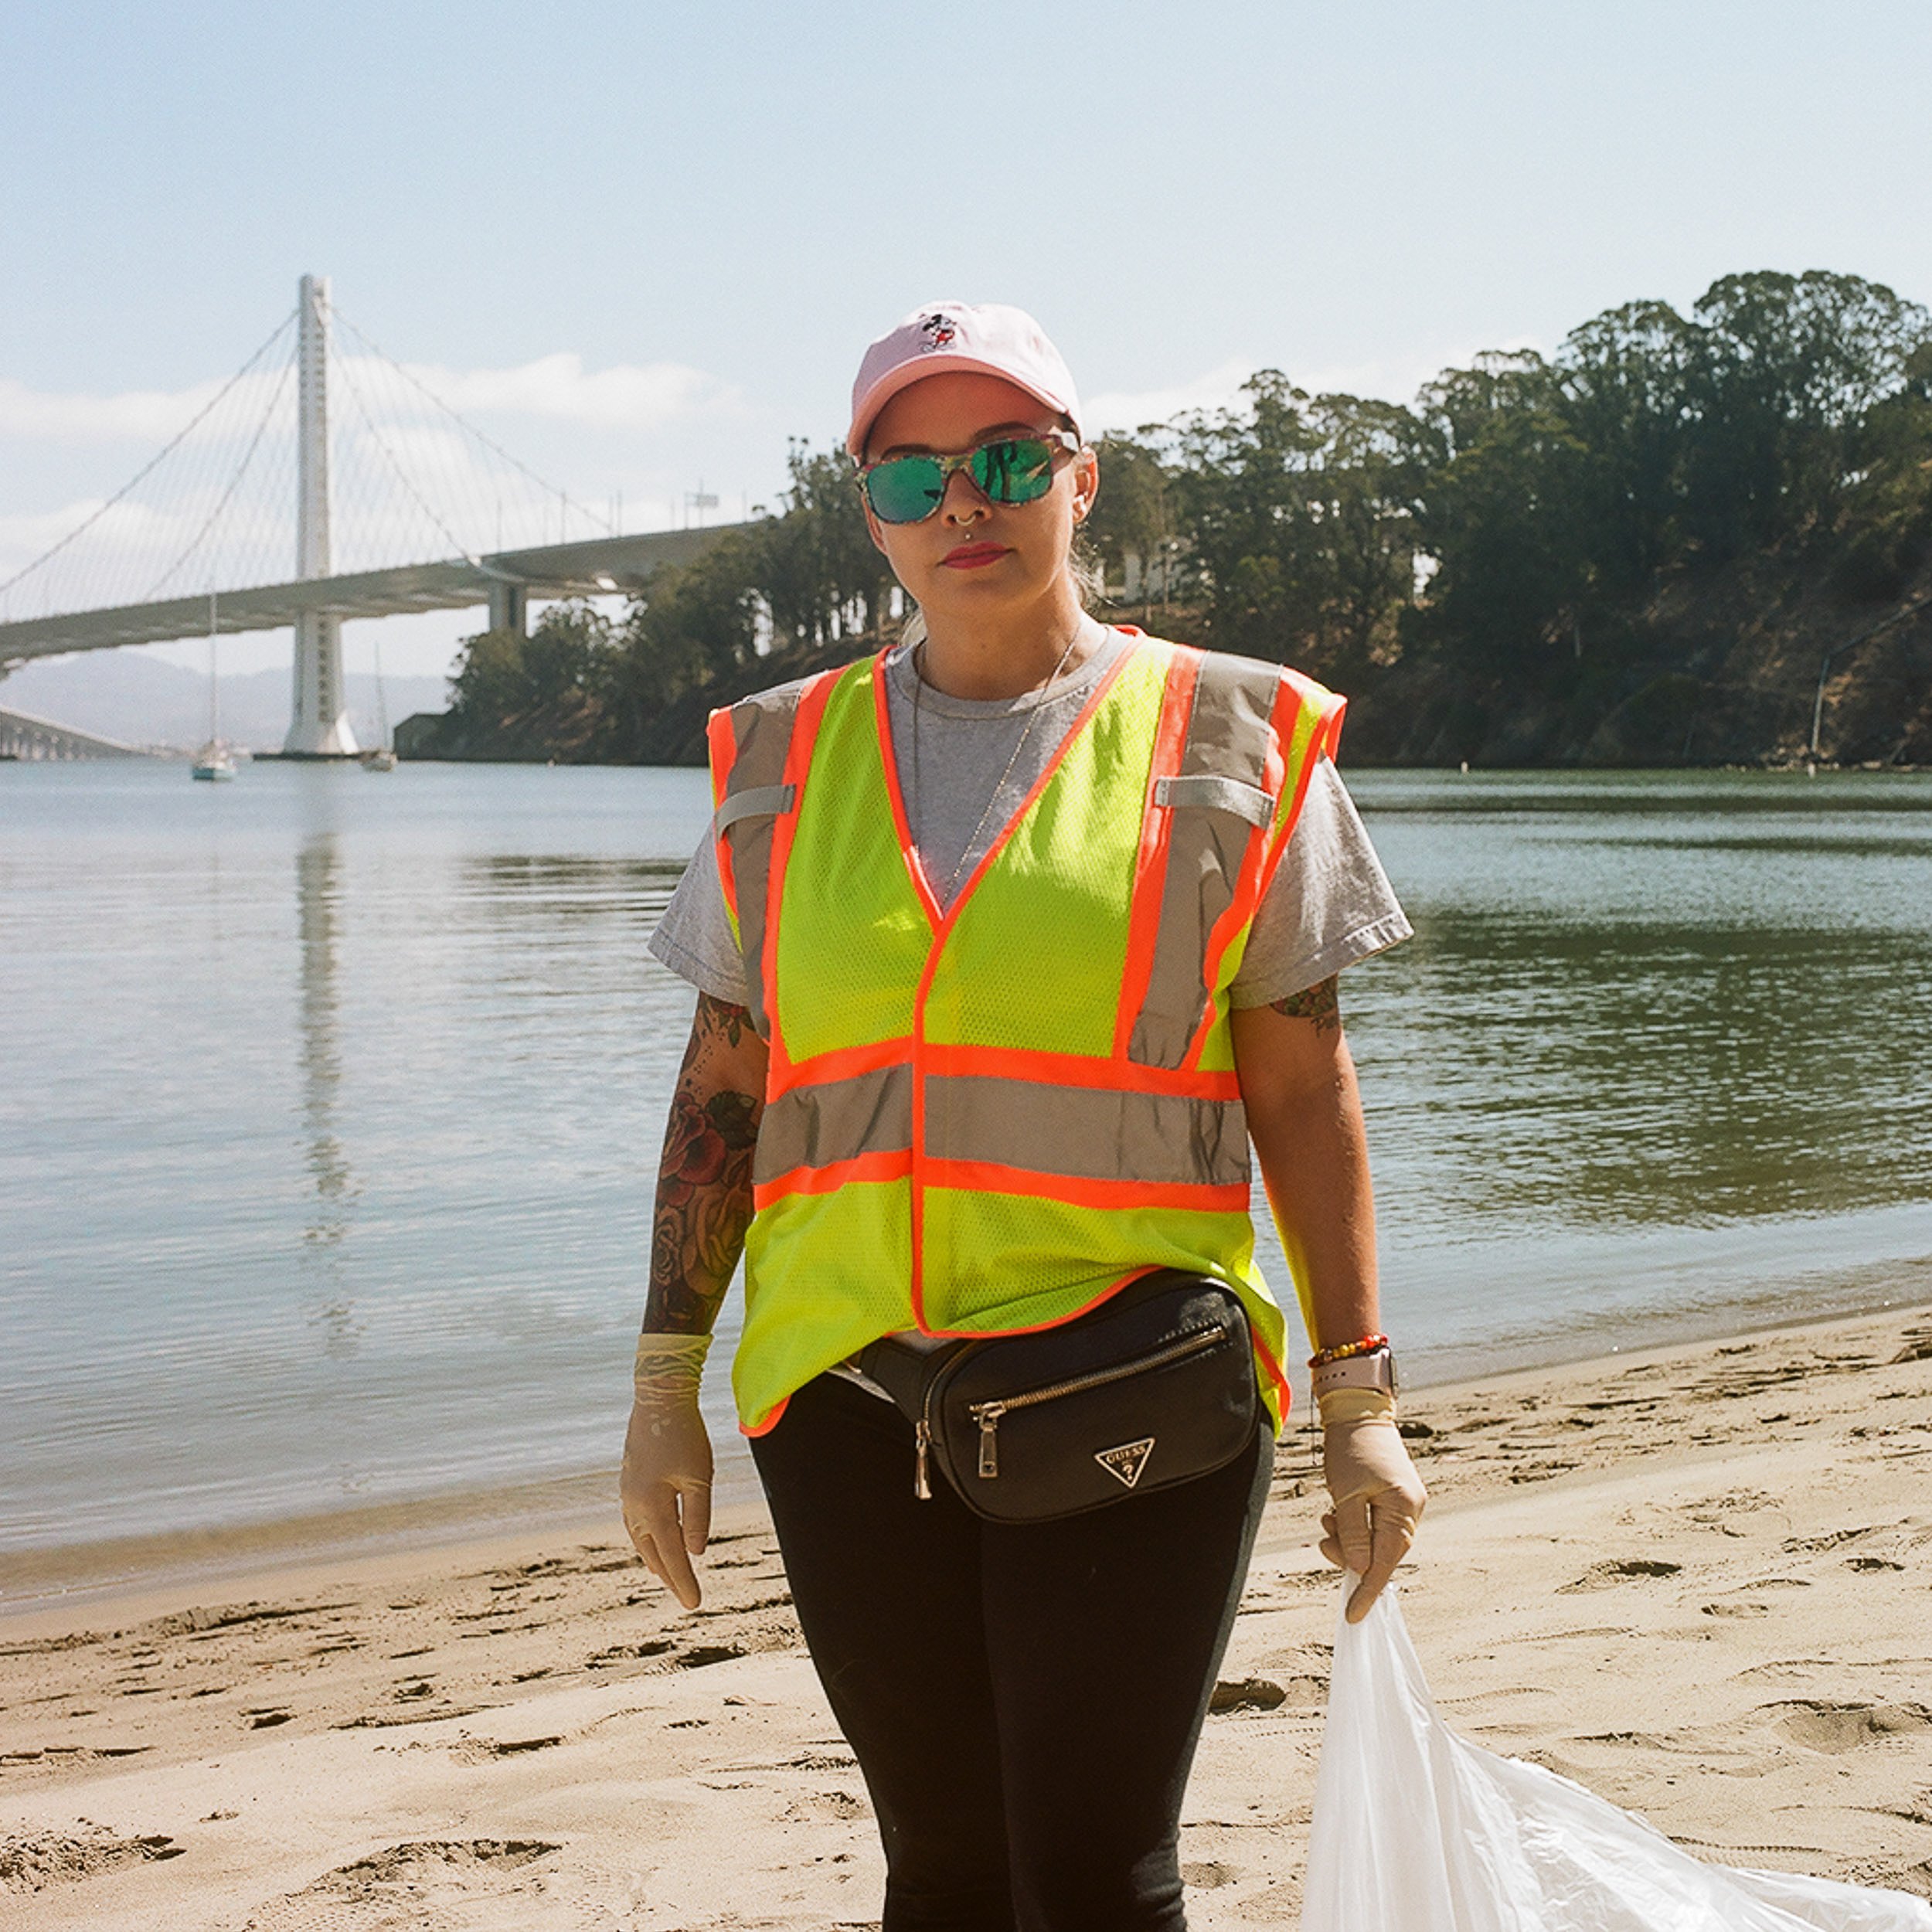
(1648, 1004)
(318, 899)
(384, 1167)
(567, 887)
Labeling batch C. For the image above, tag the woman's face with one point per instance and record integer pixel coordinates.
(973, 557)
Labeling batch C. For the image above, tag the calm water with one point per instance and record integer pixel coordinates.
(330, 1103)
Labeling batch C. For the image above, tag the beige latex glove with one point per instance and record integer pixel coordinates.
(1377, 1496)
(665, 1486)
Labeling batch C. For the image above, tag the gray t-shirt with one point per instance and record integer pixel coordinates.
(966, 765)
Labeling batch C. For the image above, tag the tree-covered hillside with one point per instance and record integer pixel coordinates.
(1654, 546)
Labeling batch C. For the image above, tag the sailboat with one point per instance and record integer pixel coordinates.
(381, 755)
(214, 761)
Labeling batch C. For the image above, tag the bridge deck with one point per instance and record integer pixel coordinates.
(604, 565)
(24, 735)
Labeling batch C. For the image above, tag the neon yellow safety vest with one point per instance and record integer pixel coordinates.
(985, 1119)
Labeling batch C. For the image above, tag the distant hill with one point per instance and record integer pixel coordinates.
(145, 701)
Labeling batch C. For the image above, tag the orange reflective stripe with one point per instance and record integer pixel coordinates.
(804, 734)
(1059, 1321)
(723, 740)
(888, 1164)
(944, 924)
(1095, 698)
(1173, 1128)
(918, 1202)
(990, 1177)
(753, 739)
(1326, 741)
(1294, 696)
(1177, 705)
(1075, 1069)
(1209, 852)
(771, 1421)
(1240, 909)
(1283, 1395)
(902, 823)
(841, 1064)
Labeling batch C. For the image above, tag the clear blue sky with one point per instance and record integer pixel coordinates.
(1356, 195)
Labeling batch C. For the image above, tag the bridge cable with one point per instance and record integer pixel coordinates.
(234, 482)
(127, 488)
(376, 436)
(463, 422)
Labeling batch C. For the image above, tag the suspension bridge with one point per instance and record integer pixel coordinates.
(323, 481)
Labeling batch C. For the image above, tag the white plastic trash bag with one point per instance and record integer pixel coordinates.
(1417, 1830)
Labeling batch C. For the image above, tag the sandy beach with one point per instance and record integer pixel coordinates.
(1695, 1578)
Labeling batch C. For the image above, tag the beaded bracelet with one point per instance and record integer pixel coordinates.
(1347, 1351)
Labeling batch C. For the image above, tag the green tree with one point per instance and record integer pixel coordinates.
(1625, 387)
(697, 623)
(1503, 518)
(1791, 368)
(564, 661)
(1297, 517)
(1372, 455)
(1135, 511)
(815, 565)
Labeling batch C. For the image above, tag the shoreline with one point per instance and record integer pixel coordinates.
(41, 1579)
(1692, 1578)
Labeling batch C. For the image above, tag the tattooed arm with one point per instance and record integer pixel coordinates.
(1304, 1114)
(704, 1206)
(704, 1180)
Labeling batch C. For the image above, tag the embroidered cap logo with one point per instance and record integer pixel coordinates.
(938, 329)
(1125, 1463)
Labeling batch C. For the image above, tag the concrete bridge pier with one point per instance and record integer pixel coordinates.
(318, 726)
(509, 607)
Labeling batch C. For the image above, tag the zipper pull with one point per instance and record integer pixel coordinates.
(923, 1439)
(988, 1414)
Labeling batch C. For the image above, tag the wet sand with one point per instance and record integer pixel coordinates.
(1698, 1579)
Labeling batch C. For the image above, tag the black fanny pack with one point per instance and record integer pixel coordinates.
(1153, 1388)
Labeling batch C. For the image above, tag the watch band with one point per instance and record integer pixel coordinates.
(1374, 1371)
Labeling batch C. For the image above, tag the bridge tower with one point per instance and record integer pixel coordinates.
(318, 726)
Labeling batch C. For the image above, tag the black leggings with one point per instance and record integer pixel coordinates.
(1024, 1700)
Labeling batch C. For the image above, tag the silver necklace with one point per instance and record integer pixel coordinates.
(999, 784)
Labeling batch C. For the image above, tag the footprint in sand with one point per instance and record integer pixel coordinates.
(1837, 1728)
(1210, 1875)
(440, 1886)
(1601, 1576)
(33, 1862)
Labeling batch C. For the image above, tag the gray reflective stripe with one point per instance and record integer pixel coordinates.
(1217, 795)
(814, 1126)
(1227, 740)
(761, 728)
(765, 801)
(1087, 1132)
(1084, 1133)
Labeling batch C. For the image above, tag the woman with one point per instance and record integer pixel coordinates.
(1006, 943)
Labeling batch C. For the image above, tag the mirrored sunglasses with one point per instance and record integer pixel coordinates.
(1010, 469)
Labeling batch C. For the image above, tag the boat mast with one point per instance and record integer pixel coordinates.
(382, 703)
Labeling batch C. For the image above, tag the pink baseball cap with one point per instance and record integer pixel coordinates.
(987, 338)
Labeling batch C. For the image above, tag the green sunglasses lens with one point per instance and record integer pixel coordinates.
(905, 489)
(1019, 471)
